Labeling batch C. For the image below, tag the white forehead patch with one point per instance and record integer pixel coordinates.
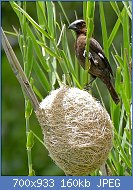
(78, 21)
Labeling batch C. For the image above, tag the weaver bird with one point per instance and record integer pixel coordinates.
(99, 65)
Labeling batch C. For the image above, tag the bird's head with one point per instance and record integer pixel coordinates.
(79, 26)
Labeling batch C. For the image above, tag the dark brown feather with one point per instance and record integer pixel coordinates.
(95, 46)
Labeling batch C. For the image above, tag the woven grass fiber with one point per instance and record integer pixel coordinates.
(77, 130)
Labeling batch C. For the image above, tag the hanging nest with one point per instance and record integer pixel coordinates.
(77, 130)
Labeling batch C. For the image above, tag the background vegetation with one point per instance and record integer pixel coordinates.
(38, 33)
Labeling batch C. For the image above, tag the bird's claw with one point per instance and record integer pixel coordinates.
(88, 87)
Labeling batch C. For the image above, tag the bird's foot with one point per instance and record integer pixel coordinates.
(88, 87)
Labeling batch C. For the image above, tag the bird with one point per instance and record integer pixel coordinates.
(99, 64)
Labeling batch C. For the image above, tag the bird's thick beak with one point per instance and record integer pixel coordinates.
(72, 26)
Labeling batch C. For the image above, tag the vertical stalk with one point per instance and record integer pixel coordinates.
(27, 112)
(28, 148)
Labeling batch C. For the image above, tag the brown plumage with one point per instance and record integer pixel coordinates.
(100, 66)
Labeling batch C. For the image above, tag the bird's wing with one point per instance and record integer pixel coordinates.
(95, 46)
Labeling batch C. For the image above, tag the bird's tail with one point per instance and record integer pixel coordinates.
(17, 69)
(112, 91)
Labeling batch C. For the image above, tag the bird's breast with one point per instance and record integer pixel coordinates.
(80, 50)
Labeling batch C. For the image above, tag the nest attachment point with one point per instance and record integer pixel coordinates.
(77, 130)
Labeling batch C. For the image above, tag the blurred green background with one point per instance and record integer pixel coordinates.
(14, 154)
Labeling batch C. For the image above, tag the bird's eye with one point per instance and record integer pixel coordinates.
(83, 24)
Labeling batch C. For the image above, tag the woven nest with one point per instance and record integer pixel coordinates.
(77, 130)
